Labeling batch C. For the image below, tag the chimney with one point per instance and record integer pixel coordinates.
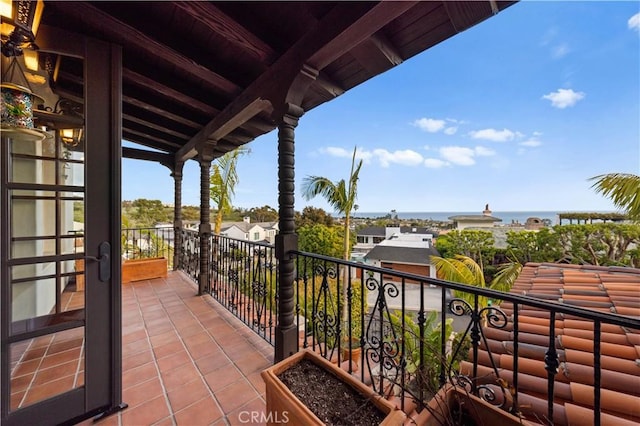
(486, 211)
(246, 219)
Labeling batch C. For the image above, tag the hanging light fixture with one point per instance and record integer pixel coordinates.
(19, 25)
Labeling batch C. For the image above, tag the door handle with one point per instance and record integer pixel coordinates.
(104, 261)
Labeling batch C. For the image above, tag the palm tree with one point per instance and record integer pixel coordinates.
(224, 179)
(340, 195)
(623, 189)
(464, 270)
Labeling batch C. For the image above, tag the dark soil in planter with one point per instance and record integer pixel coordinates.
(329, 398)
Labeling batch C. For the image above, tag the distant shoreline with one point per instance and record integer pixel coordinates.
(508, 217)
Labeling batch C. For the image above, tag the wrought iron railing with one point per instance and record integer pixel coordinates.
(415, 333)
(189, 258)
(244, 279)
(140, 243)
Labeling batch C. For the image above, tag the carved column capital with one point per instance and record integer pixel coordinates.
(205, 152)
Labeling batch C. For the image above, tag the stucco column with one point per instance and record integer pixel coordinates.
(205, 157)
(286, 336)
(177, 214)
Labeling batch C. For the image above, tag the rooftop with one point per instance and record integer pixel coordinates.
(606, 289)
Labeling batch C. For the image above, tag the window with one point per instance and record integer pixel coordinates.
(256, 236)
(377, 240)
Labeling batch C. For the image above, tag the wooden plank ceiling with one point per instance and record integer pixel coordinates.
(218, 73)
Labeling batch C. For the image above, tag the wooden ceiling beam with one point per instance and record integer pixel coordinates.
(328, 85)
(232, 117)
(168, 92)
(372, 21)
(376, 54)
(256, 124)
(149, 137)
(139, 140)
(254, 98)
(154, 126)
(141, 154)
(161, 112)
(137, 40)
(220, 23)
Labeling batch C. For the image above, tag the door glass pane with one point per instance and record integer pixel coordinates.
(33, 170)
(46, 366)
(33, 217)
(41, 291)
(73, 171)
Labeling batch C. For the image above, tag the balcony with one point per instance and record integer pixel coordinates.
(194, 359)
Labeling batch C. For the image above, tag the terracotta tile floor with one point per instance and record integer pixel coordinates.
(186, 360)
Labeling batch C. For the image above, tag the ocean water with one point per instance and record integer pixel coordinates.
(507, 217)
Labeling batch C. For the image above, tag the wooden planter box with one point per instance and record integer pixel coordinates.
(80, 276)
(439, 411)
(144, 269)
(282, 403)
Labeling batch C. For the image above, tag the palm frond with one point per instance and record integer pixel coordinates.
(224, 178)
(319, 185)
(477, 275)
(623, 189)
(506, 276)
(452, 269)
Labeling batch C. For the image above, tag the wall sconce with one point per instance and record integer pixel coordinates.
(66, 118)
(19, 25)
(71, 137)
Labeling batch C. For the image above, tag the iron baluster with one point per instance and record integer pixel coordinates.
(551, 364)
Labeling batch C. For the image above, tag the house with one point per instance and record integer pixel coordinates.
(245, 230)
(484, 220)
(609, 290)
(368, 237)
(406, 253)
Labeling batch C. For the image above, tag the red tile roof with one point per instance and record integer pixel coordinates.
(604, 289)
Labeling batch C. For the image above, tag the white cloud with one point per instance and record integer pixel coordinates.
(459, 155)
(531, 143)
(450, 130)
(503, 135)
(336, 152)
(406, 157)
(537, 134)
(481, 151)
(634, 22)
(563, 98)
(434, 163)
(361, 154)
(560, 50)
(429, 124)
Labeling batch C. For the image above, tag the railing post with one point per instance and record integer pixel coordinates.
(205, 157)
(177, 214)
(286, 333)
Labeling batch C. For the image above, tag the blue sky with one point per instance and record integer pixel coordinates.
(518, 112)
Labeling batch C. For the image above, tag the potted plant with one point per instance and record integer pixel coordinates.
(298, 387)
